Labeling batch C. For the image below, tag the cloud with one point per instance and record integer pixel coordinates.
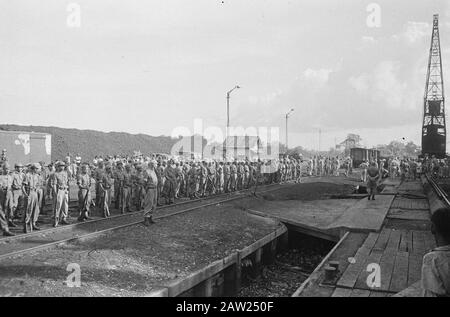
(413, 32)
(317, 75)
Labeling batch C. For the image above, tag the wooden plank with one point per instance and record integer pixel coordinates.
(360, 293)
(430, 241)
(414, 268)
(379, 294)
(387, 268)
(382, 239)
(342, 292)
(399, 279)
(394, 240)
(370, 241)
(403, 246)
(418, 241)
(350, 275)
(361, 282)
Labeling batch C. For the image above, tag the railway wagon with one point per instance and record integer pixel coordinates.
(360, 155)
(26, 147)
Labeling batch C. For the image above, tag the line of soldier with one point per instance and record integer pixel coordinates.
(141, 183)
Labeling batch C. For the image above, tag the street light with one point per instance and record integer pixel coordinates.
(287, 116)
(228, 119)
(228, 107)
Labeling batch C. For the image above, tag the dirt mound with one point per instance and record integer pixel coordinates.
(89, 143)
(309, 191)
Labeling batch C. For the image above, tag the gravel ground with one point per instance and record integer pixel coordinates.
(131, 261)
(309, 191)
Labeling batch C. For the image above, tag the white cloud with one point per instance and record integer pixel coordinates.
(368, 39)
(360, 83)
(413, 32)
(318, 75)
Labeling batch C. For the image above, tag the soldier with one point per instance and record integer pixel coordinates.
(6, 194)
(6, 197)
(372, 179)
(17, 179)
(127, 184)
(220, 177)
(151, 199)
(170, 175)
(139, 188)
(211, 178)
(160, 174)
(233, 176)
(226, 177)
(4, 157)
(118, 180)
(60, 185)
(193, 181)
(98, 175)
(84, 193)
(203, 171)
(179, 173)
(30, 186)
(246, 175)
(106, 184)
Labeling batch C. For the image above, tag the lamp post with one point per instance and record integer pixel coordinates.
(287, 116)
(228, 118)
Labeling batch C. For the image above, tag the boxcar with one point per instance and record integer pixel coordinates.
(360, 155)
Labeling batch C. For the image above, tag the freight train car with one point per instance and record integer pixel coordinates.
(26, 147)
(360, 155)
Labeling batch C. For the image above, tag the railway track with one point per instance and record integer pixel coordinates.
(439, 191)
(40, 240)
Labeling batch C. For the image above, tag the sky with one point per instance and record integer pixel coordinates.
(156, 66)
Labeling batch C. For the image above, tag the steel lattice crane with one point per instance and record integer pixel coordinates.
(434, 131)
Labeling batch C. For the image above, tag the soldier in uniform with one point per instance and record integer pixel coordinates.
(6, 194)
(6, 201)
(118, 179)
(127, 184)
(60, 185)
(226, 177)
(211, 178)
(220, 177)
(373, 175)
(17, 179)
(160, 175)
(151, 199)
(203, 179)
(193, 181)
(139, 185)
(30, 187)
(84, 193)
(246, 175)
(106, 184)
(233, 176)
(170, 175)
(98, 175)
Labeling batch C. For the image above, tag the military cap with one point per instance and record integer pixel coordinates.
(5, 165)
(18, 165)
(60, 163)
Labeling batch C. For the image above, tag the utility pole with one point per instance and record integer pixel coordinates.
(287, 116)
(228, 119)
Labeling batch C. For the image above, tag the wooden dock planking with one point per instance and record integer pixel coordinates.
(394, 240)
(399, 279)
(350, 275)
(342, 292)
(379, 294)
(387, 268)
(360, 293)
(383, 239)
(414, 268)
(418, 242)
(361, 282)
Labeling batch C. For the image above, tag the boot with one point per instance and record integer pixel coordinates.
(8, 234)
(36, 227)
(146, 222)
(150, 220)
(64, 222)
